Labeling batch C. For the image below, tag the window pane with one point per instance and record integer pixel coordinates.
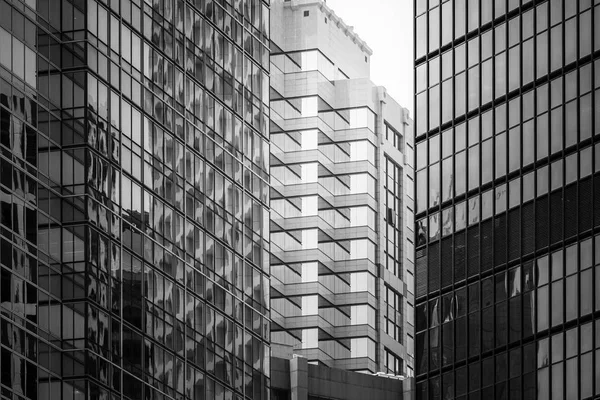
(6, 46)
(18, 58)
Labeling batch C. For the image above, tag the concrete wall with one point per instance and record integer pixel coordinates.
(303, 380)
(293, 31)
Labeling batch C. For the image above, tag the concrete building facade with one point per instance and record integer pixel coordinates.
(297, 379)
(341, 199)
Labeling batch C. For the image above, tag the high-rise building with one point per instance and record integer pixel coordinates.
(134, 193)
(507, 199)
(341, 202)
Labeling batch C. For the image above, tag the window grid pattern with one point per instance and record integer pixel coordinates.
(506, 160)
(393, 363)
(394, 138)
(393, 314)
(137, 228)
(393, 217)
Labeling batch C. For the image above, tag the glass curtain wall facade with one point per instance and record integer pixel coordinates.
(340, 237)
(134, 198)
(508, 199)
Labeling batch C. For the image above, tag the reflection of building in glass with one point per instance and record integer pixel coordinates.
(341, 219)
(134, 170)
(506, 199)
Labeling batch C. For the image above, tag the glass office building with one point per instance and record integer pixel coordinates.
(341, 226)
(134, 192)
(507, 199)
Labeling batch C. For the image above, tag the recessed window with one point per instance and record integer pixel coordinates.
(325, 19)
(390, 217)
(306, 13)
(366, 59)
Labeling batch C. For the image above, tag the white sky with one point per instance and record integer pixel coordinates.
(387, 28)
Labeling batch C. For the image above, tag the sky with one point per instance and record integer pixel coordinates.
(387, 28)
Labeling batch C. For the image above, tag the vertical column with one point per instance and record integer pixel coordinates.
(299, 378)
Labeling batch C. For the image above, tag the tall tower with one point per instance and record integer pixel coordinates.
(341, 225)
(507, 199)
(134, 195)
